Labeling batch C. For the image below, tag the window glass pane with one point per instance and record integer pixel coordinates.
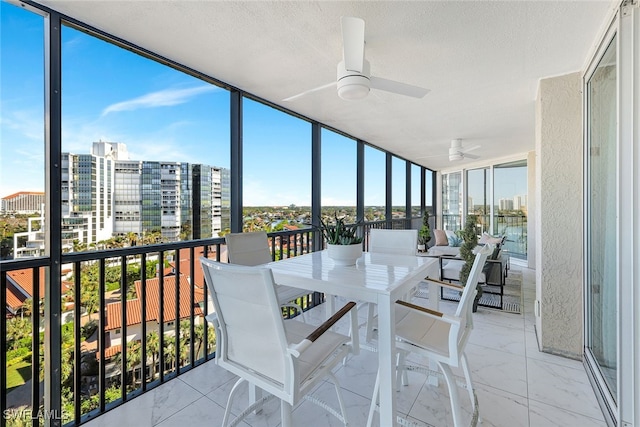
(428, 188)
(22, 189)
(142, 145)
(374, 184)
(602, 243)
(339, 178)
(399, 187)
(452, 201)
(276, 169)
(416, 185)
(22, 128)
(510, 206)
(478, 196)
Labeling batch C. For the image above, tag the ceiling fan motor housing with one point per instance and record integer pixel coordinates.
(455, 151)
(353, 85)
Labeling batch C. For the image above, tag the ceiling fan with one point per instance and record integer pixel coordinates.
(354, 79)
(457, 151)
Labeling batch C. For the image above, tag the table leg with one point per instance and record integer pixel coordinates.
(434, 303)
(386, 360)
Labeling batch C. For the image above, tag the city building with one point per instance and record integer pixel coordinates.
(23, 202)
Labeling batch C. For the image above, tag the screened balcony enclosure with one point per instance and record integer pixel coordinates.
(135, 135)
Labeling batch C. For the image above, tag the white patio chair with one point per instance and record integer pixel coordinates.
(439, 337)
(284, 358)
(394, 242)
(253, 249)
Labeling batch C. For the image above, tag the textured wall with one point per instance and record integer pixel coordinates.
(559, 215)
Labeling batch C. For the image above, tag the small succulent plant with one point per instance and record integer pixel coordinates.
(340, 233)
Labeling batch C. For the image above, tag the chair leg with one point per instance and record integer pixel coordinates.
(343, 407)
(285, 412)
(467, 377)
(453, 394)
(401, 373)
(227, 410)
(374, 400)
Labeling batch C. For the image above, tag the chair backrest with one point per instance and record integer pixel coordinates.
(465, 306)
(248, 248)
(396, 242)
(251, 340)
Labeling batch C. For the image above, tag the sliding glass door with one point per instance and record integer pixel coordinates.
(602, 236)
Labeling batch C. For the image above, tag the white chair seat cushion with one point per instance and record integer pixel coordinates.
(451, 270)
(289, 293)
(322, 348)
(422, 331)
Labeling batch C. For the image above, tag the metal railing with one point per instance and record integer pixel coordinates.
(131, 319)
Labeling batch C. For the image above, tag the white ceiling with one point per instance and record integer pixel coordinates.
(482, 60)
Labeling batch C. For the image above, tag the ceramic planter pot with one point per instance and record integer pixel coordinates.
(344, 254)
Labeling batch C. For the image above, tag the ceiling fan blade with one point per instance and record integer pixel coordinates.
(397, 87)
(353, 43)
(432, 155)
(469, 156)
(466, 150)
(306, 92)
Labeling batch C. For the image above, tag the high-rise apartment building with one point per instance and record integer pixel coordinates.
(505, 204)
(23, 202)
(105, 194)
(87, 191)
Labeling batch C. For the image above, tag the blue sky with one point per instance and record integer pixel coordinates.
(161, 114)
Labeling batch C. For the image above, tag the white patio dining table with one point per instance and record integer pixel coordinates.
(378, 278)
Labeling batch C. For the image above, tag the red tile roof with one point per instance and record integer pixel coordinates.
(23, 193)
(24, 279)
(134, 306)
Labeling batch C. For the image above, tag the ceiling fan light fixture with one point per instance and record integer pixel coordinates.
(353, 88)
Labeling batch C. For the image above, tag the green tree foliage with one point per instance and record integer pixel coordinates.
(470, 239)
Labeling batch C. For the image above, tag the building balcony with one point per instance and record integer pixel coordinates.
(517, 385)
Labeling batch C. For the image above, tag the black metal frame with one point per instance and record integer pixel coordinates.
(55, 258)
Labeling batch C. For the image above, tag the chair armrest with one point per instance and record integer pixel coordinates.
(420, 308)
(430, 313)
(212, 317)
(442, 284)
(300, 347)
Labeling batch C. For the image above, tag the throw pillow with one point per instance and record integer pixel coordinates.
(455, 241)
(441, 237)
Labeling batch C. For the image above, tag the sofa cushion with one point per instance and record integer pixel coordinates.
(488, 238)
(441, 237)
(444, 250)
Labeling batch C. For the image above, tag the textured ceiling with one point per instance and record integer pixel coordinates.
(482, 60)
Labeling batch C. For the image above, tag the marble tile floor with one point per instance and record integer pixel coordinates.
(516, 385)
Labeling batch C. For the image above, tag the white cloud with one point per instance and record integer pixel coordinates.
(163, 98)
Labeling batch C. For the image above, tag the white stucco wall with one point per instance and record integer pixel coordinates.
(558, 219)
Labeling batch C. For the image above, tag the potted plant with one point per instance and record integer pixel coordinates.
(470, 242)
(424, 234)
(344, 245)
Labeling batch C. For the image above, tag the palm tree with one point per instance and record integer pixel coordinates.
(169, 351)
(133, 238)
(198, 332)
(17, 329)
(25, 309)
(153, 349)
(134, 357)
